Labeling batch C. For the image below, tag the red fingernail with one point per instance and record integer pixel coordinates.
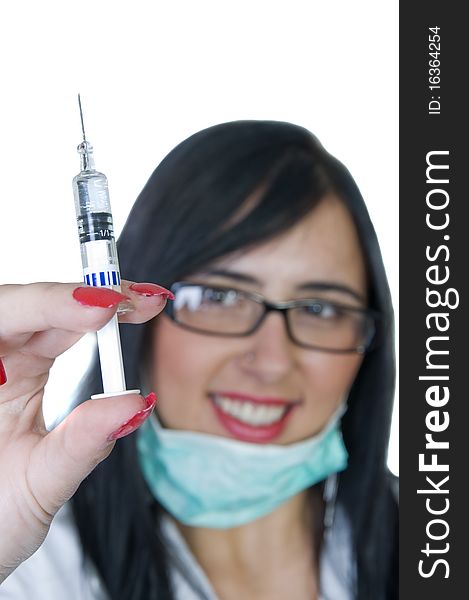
(3, 375)
(151, 289)
(135, 422)
(98, 296)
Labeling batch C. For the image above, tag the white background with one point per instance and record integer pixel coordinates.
(151, 73)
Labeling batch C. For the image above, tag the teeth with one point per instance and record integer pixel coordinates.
(250, 413)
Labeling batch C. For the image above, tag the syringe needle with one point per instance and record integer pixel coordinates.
(81, 117)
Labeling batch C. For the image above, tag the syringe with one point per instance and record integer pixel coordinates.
(99, 258)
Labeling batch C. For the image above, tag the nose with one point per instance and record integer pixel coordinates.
(272, 352)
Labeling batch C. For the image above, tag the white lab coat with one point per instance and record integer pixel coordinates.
(58, 570)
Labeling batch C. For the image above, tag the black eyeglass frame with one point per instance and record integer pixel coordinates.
(282, 308)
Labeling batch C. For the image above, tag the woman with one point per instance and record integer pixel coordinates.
(280, 337)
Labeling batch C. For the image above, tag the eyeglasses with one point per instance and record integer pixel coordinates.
(311, 323)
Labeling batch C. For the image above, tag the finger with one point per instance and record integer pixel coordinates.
(28, 370)
(52, 343)
(148, 299)
(26, 309)
(65, 456)
(21, 404)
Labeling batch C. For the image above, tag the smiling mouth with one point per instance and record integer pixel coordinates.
(250, 413)
(254, 420)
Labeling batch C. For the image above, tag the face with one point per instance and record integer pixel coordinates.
(264, 388)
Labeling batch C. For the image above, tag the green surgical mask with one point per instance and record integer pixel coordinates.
(206, 480)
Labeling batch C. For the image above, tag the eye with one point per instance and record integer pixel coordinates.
(222, 297)
(325, 310)
(200, 297)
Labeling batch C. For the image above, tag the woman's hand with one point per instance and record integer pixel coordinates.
(40, 471)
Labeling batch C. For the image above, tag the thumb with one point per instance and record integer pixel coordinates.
(68, 453)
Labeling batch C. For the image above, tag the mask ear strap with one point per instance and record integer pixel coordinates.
(329, 495)
(331, 485)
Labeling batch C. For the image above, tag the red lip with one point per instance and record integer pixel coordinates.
(253, 433)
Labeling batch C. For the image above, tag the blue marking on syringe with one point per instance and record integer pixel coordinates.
(102, 278)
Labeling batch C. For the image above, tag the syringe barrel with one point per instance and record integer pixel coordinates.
(96, 230)
(99, 259)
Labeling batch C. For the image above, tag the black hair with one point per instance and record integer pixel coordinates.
(226, 188)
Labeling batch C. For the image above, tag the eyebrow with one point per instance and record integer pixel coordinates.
(313, 286)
